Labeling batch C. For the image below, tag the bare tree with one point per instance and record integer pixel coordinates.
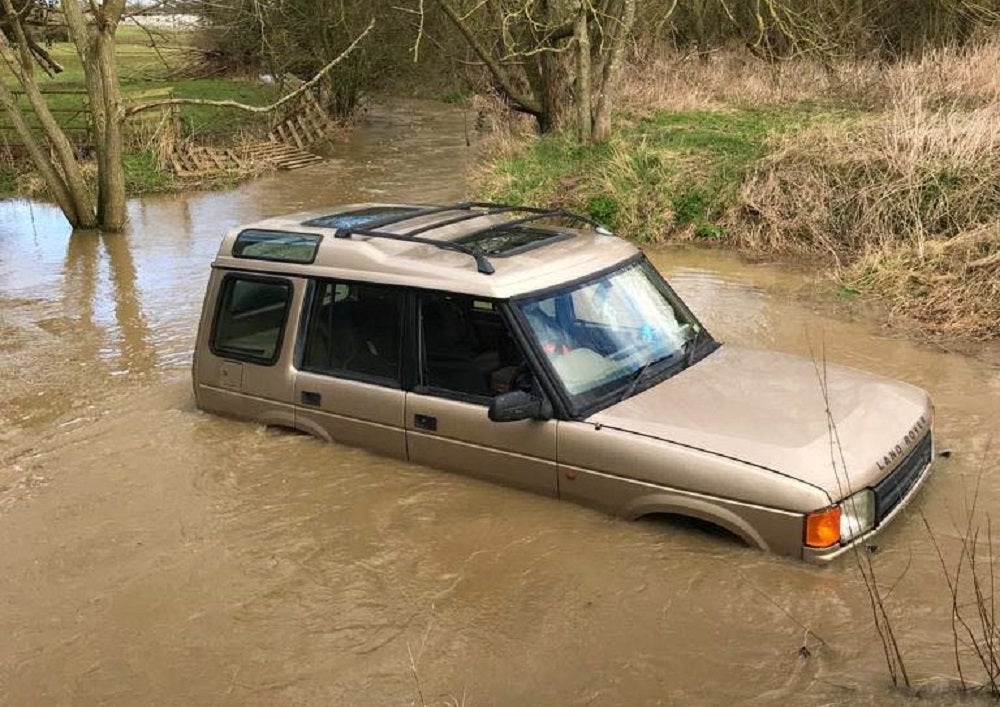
(547, 55)
(92, 28)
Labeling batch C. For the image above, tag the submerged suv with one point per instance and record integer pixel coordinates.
(533, 348)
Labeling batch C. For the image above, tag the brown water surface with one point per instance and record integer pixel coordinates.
(152, 554)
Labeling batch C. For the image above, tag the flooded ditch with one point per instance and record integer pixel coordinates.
(155, 554)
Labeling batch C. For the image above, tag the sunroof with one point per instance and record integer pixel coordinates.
(279, 246)
(509, 241)
(363, 218)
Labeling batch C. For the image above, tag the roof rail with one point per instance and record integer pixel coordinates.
(474, 210)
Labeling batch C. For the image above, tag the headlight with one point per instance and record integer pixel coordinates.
(853, 516)
(857, 514)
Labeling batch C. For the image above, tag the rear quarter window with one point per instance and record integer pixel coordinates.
(250, 318)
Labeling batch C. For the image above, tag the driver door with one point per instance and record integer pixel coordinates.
(467, 356)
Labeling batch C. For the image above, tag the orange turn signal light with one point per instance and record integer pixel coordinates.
(823, 527)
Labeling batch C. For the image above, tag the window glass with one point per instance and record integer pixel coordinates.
(600, 335)
(276, 245)
(363, 218)
(251, 319)
(354, 328)
(467, 348)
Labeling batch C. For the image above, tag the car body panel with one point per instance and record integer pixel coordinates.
(243, 388)
(768, 409)
(520, 454)
(351, 412)
(621, 453)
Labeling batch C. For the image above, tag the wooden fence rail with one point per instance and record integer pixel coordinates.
(71, 109)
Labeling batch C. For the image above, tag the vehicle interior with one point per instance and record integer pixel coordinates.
(467, 347)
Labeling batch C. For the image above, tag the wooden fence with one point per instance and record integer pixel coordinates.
(71, 108)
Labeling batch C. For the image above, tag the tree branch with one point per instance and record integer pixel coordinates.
(525, 103)
(151, 105)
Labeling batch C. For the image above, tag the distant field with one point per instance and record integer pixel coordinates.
(148, 61)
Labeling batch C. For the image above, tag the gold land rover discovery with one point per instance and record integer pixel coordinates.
(532, 347)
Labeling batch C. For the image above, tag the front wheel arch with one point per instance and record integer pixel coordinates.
(699, 510)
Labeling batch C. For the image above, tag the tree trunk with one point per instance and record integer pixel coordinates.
(584, 117)
(612, 68)
(95, 44)
(53, 180)
(111, 179)
(71, 187)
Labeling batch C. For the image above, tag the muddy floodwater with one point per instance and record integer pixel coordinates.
(153, 554)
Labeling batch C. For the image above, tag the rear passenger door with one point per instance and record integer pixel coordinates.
(243, 361)
(467, 356)
(348, 388)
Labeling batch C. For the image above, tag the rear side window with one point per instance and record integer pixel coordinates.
(251, 318)
(355, 330)
(277, 246)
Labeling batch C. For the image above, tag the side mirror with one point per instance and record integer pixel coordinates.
(517, 405)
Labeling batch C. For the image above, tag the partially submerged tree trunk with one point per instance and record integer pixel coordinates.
(95, 45)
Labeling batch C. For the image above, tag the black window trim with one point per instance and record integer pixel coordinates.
(399, 383)
(232, 276)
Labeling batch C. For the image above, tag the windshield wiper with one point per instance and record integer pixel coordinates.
(693, 344)
(640, 374)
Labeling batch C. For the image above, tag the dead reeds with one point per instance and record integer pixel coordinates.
(906, 202)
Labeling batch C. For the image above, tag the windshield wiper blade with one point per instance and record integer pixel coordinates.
(693, 344)
(640, 374)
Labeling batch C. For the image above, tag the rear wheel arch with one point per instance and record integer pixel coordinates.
(303, 424)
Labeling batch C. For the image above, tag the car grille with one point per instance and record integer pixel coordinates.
(891, 490)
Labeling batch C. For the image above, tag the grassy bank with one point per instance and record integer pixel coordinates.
(145, 62)
(890, 175)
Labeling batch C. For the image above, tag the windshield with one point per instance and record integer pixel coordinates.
(603, 336)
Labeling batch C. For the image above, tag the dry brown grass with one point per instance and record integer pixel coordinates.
(669, 80)
(666, 80)
(905, 201)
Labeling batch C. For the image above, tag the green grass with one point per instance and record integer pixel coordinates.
(143, 175)
(213, 122)
(142, 67)
(664, 172)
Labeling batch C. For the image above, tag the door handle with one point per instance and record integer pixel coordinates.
(425, 422)
(311, 398)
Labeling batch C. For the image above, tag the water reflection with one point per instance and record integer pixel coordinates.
(112, 325)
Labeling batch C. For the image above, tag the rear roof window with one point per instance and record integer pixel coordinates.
(279, 246)
(510, 241)
(363, 218)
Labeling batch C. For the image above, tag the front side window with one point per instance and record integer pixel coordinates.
(467, 350)
(354, 329)
(602, 335)
(251, 318)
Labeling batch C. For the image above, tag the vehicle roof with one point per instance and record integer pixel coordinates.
(570, 254)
